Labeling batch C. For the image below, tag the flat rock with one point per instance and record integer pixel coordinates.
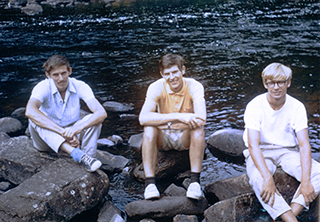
(111, 163)
(136, 140)
(116, 106)
(58, 192)
(10, 125)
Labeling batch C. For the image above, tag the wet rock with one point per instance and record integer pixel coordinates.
(228, 141)
(169, 163)
(117, 107)
(16, 3)
(185, 218)
(58, 192)
(116, 139)
(105, 142)
(109, 212)
(166, 207)
(10, 125)
(111, 163)
(19, 113)
(19, 160)
(176, 191)
(58, 3)
(32, 9)
(136, 140)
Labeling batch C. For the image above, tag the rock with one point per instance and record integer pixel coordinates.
(117, 218)
(58, 192)
(105, 142)
(10, 125)
(16, 3)
(185, 218)
(3, 137)
(19, 160)
(176, 191)
(110, 162)
(165, 207)
(116, 106)
(4, 186)
(169, 163)
(32, 9)
(19, 113)
(136, 140)
(108, 212)
(147, 220)
(235, 186)
(228, 141)
(116, 139)
(55, 3)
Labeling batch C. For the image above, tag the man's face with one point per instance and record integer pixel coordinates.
(60, 77)
(173, 77)
(277, 89)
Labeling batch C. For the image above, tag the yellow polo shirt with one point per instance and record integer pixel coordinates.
(167, 101)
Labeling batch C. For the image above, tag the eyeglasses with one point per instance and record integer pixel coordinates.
(279, 83)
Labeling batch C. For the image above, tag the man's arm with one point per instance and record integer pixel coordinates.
(268, 188)
(38, 118)
(98, 116)
(306, 189)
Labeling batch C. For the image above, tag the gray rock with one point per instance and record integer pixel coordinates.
(56, 3)
(16, 3)
(169, 163)
(174, 190)
(185, 218)
(19, 113)
(165, 207)
(10, 125)
(147, 220)
(228, 141)
(316, 156)
(3, 137)
(117, 107)
(58, 192)
(117, 218)
(136, 140)
(116, 139)
(128, 116)
(111, 163)
(108, 212)
(4, 186)
(32, 9)
(19, 160)
(105, 142)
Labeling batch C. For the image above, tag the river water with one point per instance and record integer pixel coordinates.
(226, 45)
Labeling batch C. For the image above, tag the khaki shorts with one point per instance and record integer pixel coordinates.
(172, 140)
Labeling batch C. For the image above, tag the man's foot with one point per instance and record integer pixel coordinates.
(194, 191)
(90, 164)
(151, 192)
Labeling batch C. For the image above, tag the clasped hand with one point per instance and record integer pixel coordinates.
(70, 134)
(192, 120)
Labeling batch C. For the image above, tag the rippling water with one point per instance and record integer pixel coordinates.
(226, 45)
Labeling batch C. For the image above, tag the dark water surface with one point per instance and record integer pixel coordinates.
(226, 45)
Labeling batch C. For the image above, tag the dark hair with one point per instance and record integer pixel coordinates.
(55, 61)
(169, 60)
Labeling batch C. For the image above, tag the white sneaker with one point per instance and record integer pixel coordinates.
(151, 192)
(90, 164)
(194, 191)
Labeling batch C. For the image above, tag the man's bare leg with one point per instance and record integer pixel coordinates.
(296, 208)
(66, 147)
(289, 217)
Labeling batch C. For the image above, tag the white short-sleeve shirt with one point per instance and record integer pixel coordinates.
(277, 127)
(63, 112)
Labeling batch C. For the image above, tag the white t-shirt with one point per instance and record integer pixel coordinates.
(277, 127)
(62, 112)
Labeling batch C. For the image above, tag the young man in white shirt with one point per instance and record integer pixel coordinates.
(276, 135)
(53, 111)
(173, 116)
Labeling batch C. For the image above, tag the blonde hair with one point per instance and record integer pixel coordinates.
(276, 71)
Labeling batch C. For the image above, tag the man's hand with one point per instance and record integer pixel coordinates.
(70, 132)
(268, 191)
(307, 190)
(74, 142)
(191, 120)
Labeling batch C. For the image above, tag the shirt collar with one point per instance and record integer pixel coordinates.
(54, 89)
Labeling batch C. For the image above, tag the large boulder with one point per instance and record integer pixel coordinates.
(19, 160)
(169, 163)
(228, 141)
(166, 207)
(111, 163)
(57, 193)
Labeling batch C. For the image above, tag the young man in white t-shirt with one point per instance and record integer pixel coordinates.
(54, 109)
(276, 135)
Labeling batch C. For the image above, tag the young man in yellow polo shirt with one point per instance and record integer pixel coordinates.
(173, 116)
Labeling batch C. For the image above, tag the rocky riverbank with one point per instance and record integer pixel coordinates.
(52, 187)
